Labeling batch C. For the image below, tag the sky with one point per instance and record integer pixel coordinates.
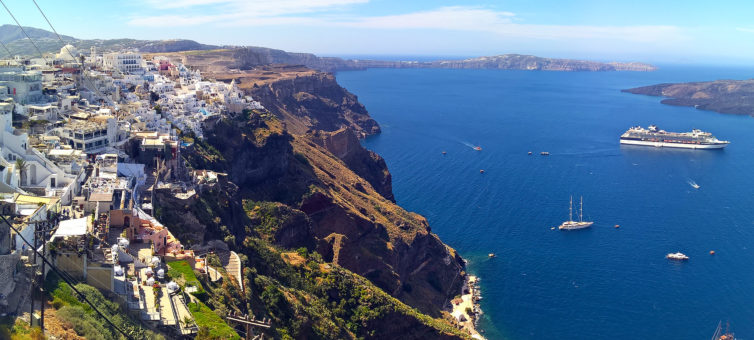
(638, 30)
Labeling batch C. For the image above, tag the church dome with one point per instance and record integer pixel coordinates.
(68, 52)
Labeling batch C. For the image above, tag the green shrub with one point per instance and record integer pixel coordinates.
(211, 326)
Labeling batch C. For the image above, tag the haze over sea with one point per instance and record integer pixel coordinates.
(598, 283)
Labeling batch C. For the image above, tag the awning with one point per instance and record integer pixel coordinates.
(75, 227)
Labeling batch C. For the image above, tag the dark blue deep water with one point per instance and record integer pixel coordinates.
(601, 283)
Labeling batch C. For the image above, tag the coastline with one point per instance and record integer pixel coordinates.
(465, 309)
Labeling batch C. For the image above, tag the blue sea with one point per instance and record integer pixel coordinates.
(599, 283)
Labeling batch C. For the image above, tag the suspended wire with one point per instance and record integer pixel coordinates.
(65, 46)
(24, 31)
(10, 55)
(62, 276)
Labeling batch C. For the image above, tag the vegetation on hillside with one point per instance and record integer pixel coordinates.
(84, 320)
(307, 298)
(211, 326)
(16, 329)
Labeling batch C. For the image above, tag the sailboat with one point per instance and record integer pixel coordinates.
(720, 335)
(571, 224)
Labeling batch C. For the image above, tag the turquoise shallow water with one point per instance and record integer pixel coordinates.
(597, 283)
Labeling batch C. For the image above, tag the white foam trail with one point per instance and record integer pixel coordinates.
(693, 184)
(468, 144)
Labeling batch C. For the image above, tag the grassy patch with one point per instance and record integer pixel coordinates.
(211, 323)
(182, 271)
(86, 322)
(18, 330)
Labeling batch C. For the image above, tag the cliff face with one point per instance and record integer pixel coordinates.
(724, 96)
(304, 180)
(315, 101)
(322, 203)
(370, 166)
(371, 236)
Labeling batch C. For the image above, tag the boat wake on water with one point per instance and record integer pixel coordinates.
(475, 147)
(693, 184)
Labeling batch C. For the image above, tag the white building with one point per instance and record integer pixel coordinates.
(125, 62)
(23, 86)
(39, 172)
(92, 135)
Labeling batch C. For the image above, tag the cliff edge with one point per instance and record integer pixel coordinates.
(298, 186)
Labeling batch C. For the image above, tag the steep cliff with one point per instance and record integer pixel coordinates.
(315, 101)
(294, 193)
(303, 181)
(370, 166)
(351, 223)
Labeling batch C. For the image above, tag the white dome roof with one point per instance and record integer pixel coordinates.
(68, 52)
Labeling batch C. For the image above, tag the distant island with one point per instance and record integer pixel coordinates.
(723, 96)
(252, 56)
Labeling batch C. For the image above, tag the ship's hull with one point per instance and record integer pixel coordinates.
(573, 225)
(673, 145)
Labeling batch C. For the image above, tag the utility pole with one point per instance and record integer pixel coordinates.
(249, 322)
(41, 229)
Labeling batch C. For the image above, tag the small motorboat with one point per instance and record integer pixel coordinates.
(478, 148)
(491, 255)
(529, 153)
(544, 153)
(481, 171)
(677, 256)
(712, 252)
(617, 226)
(444, 152)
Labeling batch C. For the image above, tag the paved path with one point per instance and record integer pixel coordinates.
(234, 268)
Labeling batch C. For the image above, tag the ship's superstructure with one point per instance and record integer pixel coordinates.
(652, 136)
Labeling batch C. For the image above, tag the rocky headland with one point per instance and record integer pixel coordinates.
(724, 96)
(313, 212)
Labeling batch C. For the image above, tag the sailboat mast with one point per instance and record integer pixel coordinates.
(581, 210)
(570, 209)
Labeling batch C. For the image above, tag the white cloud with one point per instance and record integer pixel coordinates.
(485, 20)
(454, 18)
(745, 29)
(448, 18)
(253, 8)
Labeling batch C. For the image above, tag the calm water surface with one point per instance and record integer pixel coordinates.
(597, 283)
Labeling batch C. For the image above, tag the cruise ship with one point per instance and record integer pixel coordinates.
(652, 136)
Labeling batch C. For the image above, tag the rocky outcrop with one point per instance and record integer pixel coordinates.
(247, 159)
(290, 229)
(306, 191)
(203, 217)
(315, 102)
(391, 247)
(345, 145)
(724, 96)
